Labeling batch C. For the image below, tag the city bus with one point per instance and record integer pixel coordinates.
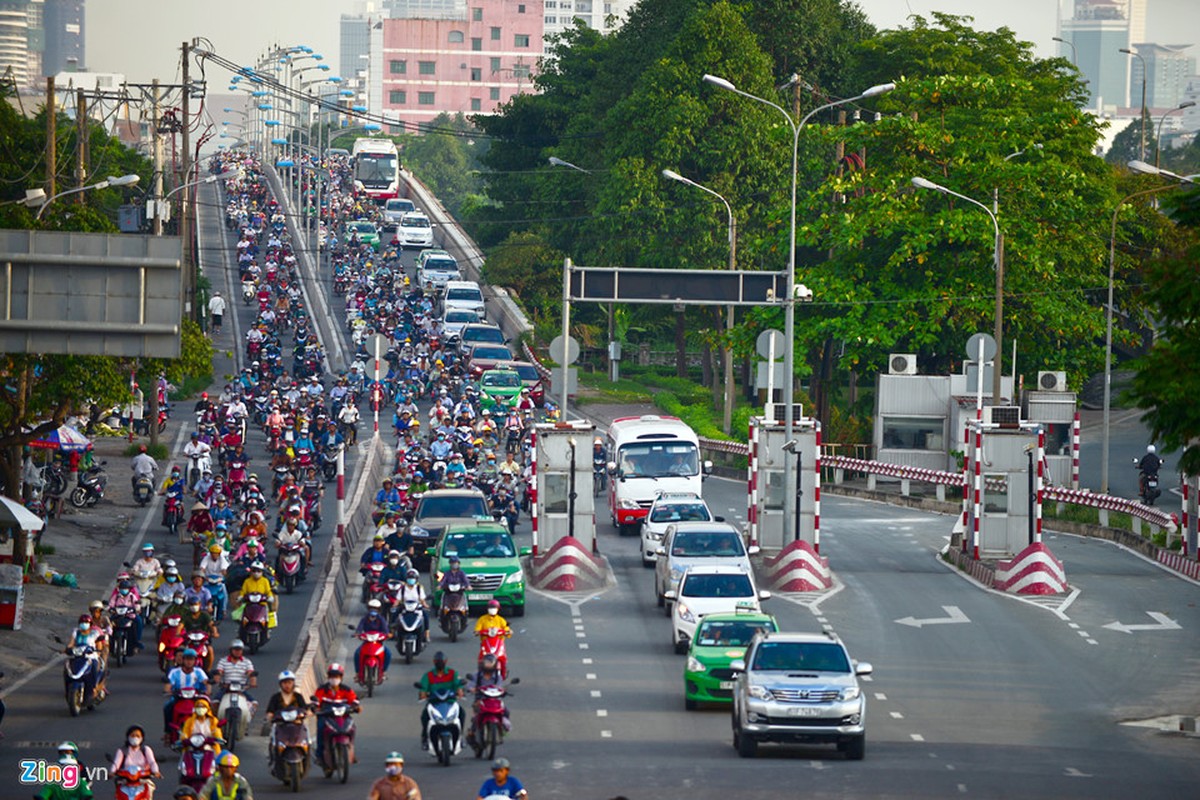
(376, 168)
(649, 455)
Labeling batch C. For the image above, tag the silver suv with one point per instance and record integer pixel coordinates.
(799, 687)
(696, 544)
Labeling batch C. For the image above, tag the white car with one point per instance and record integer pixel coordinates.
(464, 295)
(455, 319)
(415, 230)
(709, 590)
(695, 544)
(396, 208)
(667, 508)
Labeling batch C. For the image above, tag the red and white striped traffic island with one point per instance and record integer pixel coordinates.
(1034, 570)
(798, 568)
(568, 566)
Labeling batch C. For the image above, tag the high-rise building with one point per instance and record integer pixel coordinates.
(1096, 33)
(64, 37)
(22, 40)
(602, 15)
(1168, 70)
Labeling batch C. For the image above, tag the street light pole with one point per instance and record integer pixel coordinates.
(789, 319)
(1070, 44)
(1138, 56)
(998, 264)
(1162, 119)
(124, 180)
(727, 416)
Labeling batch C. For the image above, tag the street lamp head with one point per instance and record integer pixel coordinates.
(922, 183)
(673, 175)
(1058, 39)
(372, 126)
(34, 198)
(1143, 167)
(1185, 104)
(720, 83)
(882, 88)
(123, 180)
(1127, 51)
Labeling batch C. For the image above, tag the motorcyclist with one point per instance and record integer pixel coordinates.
(198, 591)
(215, 561)
(173, 488)
(386, 499)
(332, 691)
(487, 676)
(377, 553)
(202, 722)
(143, 466)
(455, 575)
(197, 448)
(186, 676)
(1149, 466)
(126, 596)
(195, 618)
(397, 568)
(286, 698)
(372, 622)
(257, 583)
(228, 782)
(86, 634)
(235, 668)
(439, 676)
(56, 791)
(148, 567)
(440, 448)
(135, 756)
(492, 624)
(292, 534)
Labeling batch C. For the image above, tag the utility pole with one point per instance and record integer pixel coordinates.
(185, 226)
(51, 137)
(157, 190)
(81, 130)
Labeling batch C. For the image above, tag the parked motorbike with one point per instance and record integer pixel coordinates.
(124, 635)
(198, 760)
(289, 753)
(444, 728)
(81, 673)
(373, 659)
(143, 490)
(255, 629)
(410, 630)
(453, 613)
(288, 565)
(490, 719)
(1147, 485)
(234, 709)
(90, 489)
(336, 726)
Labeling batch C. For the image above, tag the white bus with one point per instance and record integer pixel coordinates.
(649, 455)
(376, 168)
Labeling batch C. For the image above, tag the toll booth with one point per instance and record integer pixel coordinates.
(770, 448)
(564, 502)
(1004, 486)
(1055, 410)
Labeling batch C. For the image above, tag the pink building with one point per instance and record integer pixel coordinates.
(470, 64)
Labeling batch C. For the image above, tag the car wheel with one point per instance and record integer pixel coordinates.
(647, 564)
(856, 748)
(658, 595)
(680, 648)
(689, 704)
(746, 746)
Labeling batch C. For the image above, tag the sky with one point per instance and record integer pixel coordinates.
(242, 30)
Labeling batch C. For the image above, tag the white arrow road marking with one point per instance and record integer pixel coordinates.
(1072, 772)
(1162, 623)
(956, 616)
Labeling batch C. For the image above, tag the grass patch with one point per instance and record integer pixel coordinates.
(602, 390)
(190, 386)
(1088, 516)
(155, 451)
(44, 550)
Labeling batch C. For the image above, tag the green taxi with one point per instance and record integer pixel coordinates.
(491, 561)
(720, 639)
(366, 231)
(500, 388)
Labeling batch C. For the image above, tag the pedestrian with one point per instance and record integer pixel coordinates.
(501, 784)
(394, 785)
(216, 307)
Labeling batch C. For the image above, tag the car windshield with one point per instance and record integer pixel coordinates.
(464, 294)
(680, 512)
(717, 586)
(440, 265)
(801, 656)
(462, 316)
(658, 459)
(363, 227)
(467, 506)
(528, 372)
(699, 544)
(484, 334)
(730, 633)
(479, 545)
(500, 380)
(400, 205)
(491, 351)
(414, 222)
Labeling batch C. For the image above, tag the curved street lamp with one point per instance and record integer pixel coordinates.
(1162, 119)
(123, 180)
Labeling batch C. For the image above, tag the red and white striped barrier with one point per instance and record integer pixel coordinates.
(752, 484)
(798, 568)
(1180, 563)
(568, 566)
(1035, 570)
(1075, 452)
(1083, 497)
(817, 493)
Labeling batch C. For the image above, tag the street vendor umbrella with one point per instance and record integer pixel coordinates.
(65, 438)
(13, 513)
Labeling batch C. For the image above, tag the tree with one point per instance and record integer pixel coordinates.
(1127, 145)
(1167, 382)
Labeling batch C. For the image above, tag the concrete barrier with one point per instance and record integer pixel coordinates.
(797, 568)
(568, 566)
(1034, 570)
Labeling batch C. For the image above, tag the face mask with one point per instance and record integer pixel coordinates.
(201, 712)
(412, 581)
(135, 741)
(374, 613)
(393, 770)
(493, 611)
(170, 579)
(84, 627)
(124, 591)
(335, 682)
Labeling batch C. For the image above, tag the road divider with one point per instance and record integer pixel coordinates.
(568, 566)
(1035, 570)
(797, 568)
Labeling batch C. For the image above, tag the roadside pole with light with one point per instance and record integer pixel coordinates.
(789, 325)
(727, 417)
(1162, 119)
(998, 264)
(1142, 144)
(123, 180)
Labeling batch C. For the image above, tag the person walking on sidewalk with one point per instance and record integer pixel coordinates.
(216, 307)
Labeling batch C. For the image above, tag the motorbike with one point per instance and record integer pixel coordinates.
(336, 726)
(198, 641)
(1147, 485)
(216, 587)
(453, 612)
(198, 761)
(144, 583)
(81, 673)
(599, 477)
(371, 575)
(492, 643)
(289, 564)
(90, 489)
(490, 719)
(372, 658)
(55, 477)
(410, 630)
(234, 711)
(199, 463)
(255, 629)
(170, 641)
(312, 511)
(185, 701)
(289, 748)
(143, 490)
(134, 784)
(124, 635)
(329, 462)
(444, 728)
(248, 292)
(173, 514)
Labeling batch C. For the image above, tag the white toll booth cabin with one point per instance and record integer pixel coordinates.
(565, 503)
(769, 451)
(1001, 463)
(1054, 408)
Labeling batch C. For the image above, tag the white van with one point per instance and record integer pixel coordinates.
(463, 295)
(649, 455)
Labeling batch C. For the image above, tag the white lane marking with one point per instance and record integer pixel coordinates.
(951, 767)
(1073, 626)
(1072, 772)
(867, 678)
(954, 616)
(587, 661)
(896, 715)
(591, 676)
(583, 646)
(1161, 623)
(1091, 641)
(880, 696)
(817, 765)
(605, 734)
(595, 692)
(962, 788)
(580, 635)
(601, 712)
(916, 737)
(575, 611)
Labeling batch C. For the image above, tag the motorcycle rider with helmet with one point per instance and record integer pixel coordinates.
(332, 691)
(413, 590)
(440, 675)
(373, 621)
(1148, 467)
(487, 676)
(126, 596)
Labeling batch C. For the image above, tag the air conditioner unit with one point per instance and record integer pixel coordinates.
(1002, 416)
(775, 412)
(1052, 382)
(902, 364)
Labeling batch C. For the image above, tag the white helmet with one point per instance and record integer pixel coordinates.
(1149, 448)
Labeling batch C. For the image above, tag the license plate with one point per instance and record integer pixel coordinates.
(479, 596)
(803, 711)
(725, 685)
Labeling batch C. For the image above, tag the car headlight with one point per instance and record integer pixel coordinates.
(515, 577)
(694, 665)
(627, 504)
(851, 693)
(685, 613)
(417, 530)
(761, 693)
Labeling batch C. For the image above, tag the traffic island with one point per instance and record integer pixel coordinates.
(1033, 571)
(568, 566)
(797, 568)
